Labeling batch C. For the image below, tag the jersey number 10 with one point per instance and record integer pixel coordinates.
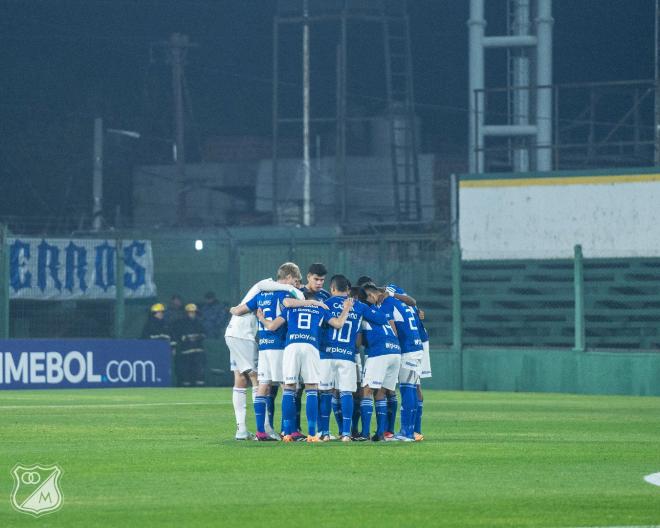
(343, 334)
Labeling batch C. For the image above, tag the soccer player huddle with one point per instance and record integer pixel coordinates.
(309, 341)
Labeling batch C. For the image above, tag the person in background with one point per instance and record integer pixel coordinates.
(189, 337)
(156, 327)
(213, 316)
(174, 310)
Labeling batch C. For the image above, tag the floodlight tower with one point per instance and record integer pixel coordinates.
(529, 123)
(387, 21)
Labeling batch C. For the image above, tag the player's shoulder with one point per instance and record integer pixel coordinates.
(394, 288)
(323, 295)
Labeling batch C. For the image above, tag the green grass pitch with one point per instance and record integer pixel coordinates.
(166, 457)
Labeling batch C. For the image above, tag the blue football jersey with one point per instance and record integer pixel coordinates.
(321, 295)
(423, 334)
(380, 339)
(340, 343)
(271, 304)
(304, 324)
(406, 327)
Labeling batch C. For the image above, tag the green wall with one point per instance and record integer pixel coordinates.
(546, 370)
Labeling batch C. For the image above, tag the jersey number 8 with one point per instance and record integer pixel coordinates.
(304, 321)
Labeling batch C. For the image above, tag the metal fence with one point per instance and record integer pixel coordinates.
(579, 303)
(227, 263)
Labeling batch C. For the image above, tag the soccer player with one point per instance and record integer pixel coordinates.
(316, 274)
(411, 355)
(271, 348)
(315, 279)
(400, 294)
(301, 356)
(381, 368)
(338, 369)
(240, 337)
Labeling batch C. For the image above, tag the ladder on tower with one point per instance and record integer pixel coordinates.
(401, 111)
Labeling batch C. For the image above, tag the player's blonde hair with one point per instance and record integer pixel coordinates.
(288, 269)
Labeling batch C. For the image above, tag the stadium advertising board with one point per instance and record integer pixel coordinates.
(84, 363)
(62, 269)
(543, 215)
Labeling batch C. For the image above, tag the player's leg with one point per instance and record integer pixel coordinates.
(345, 383)
(392, 408)
(366, 411)
(241, 353)
(335, 403)
(290, 372)
(310, 370)
(419, 411)
(274, 358)
(261, 400)
(374, 373)
(408, 376)
(300, 391)
(426, 373)
(381, 414)
(270, 404)
(357, 396)
(325, 397)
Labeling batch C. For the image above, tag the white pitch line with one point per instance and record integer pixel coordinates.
(109, 405)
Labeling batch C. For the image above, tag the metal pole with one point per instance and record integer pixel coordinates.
(343, 57)
(578, 280)
(307, 217)
(4, 282)
(178, 45)
(97, 178)
(120, 308)
(544, 22)
(457, 313)
(453, 206)
(276, 27)
(477, 27)
(520, 77)
(657, 82)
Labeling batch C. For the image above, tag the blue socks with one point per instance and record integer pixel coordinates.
(260, 412)
(299, 394)
(355, 419)
(381, 417)
(336, 410)
(408, 408)
(288, 411)
(324, 406)
(346, 399)
(418, 416)
(366, 410)
(312, 408)
(392, 406)
(270, 403)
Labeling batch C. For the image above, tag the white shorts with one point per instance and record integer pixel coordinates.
(339, 374)
(381, 371)
(270, 366)
(301, 360)
(358, 365)
(426, 362)
(243, 354)
(411, 367)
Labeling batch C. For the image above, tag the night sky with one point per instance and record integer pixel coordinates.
(66, 61)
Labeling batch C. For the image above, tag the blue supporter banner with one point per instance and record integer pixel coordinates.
(84, 363)
(62, 269)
